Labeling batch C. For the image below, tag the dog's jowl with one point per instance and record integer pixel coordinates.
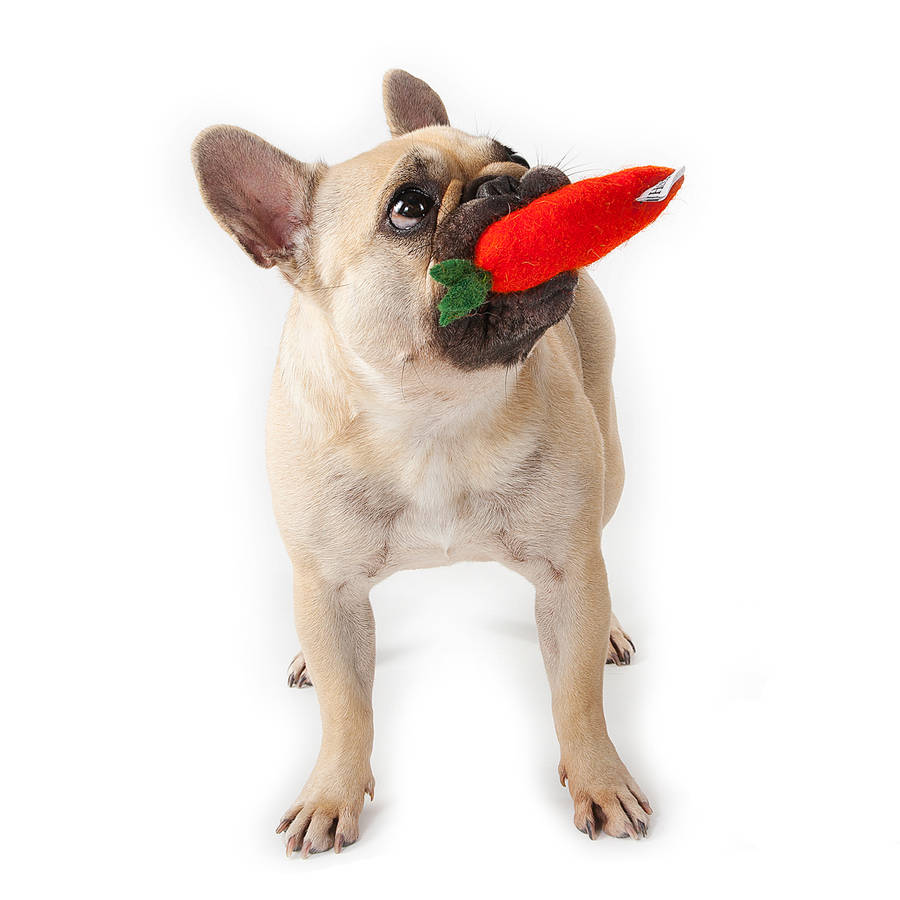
(502, 446)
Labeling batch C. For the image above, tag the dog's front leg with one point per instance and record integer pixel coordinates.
(573, 616)
(336, 628)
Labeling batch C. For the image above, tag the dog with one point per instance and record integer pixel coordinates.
(503, 445)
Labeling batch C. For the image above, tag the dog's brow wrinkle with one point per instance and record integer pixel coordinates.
(409, 168)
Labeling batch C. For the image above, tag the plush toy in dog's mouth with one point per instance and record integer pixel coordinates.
(560, 231)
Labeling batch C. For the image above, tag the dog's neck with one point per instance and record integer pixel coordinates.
(330, 386)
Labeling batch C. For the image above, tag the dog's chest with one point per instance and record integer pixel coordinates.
(419, 497)
(444, 517)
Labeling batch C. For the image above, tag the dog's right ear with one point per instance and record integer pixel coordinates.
(261, 196)
(409, 103)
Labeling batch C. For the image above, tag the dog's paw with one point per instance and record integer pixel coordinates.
(620, 645)
(326, 814)
(298, 675)
(609, 801)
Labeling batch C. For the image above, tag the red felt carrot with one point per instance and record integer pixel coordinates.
(560, 231)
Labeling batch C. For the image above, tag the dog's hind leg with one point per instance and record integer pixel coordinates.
(298, 674)
(592, 326)
(620, 645)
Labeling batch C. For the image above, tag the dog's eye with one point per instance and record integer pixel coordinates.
(408, 208)
(518, 160)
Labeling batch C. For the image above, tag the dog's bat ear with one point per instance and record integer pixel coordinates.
(261, 196)
(409, 103)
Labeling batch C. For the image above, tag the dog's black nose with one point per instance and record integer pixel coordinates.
(496, 187)
(541, 180)
(490, 186)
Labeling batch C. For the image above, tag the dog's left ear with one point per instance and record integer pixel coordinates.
(261, 196)
(409, 103)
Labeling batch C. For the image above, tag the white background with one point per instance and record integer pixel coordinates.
(150, 741)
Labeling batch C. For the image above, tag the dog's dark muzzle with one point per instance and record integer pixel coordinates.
(506, 327)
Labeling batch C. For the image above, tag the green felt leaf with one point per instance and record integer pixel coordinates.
(468, 287)
(451, 271)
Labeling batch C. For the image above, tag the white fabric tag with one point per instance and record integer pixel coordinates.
(661, 189)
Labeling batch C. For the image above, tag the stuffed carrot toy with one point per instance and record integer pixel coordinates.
(566, 229)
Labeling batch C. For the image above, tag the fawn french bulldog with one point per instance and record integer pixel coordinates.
(502, 445)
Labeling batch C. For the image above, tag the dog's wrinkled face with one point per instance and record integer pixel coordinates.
(360, 237)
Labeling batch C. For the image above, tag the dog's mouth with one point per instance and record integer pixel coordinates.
(504, 329)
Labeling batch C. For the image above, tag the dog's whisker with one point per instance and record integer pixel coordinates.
(571, 330)
(562, 160)
(325, 287)
(416, 370)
